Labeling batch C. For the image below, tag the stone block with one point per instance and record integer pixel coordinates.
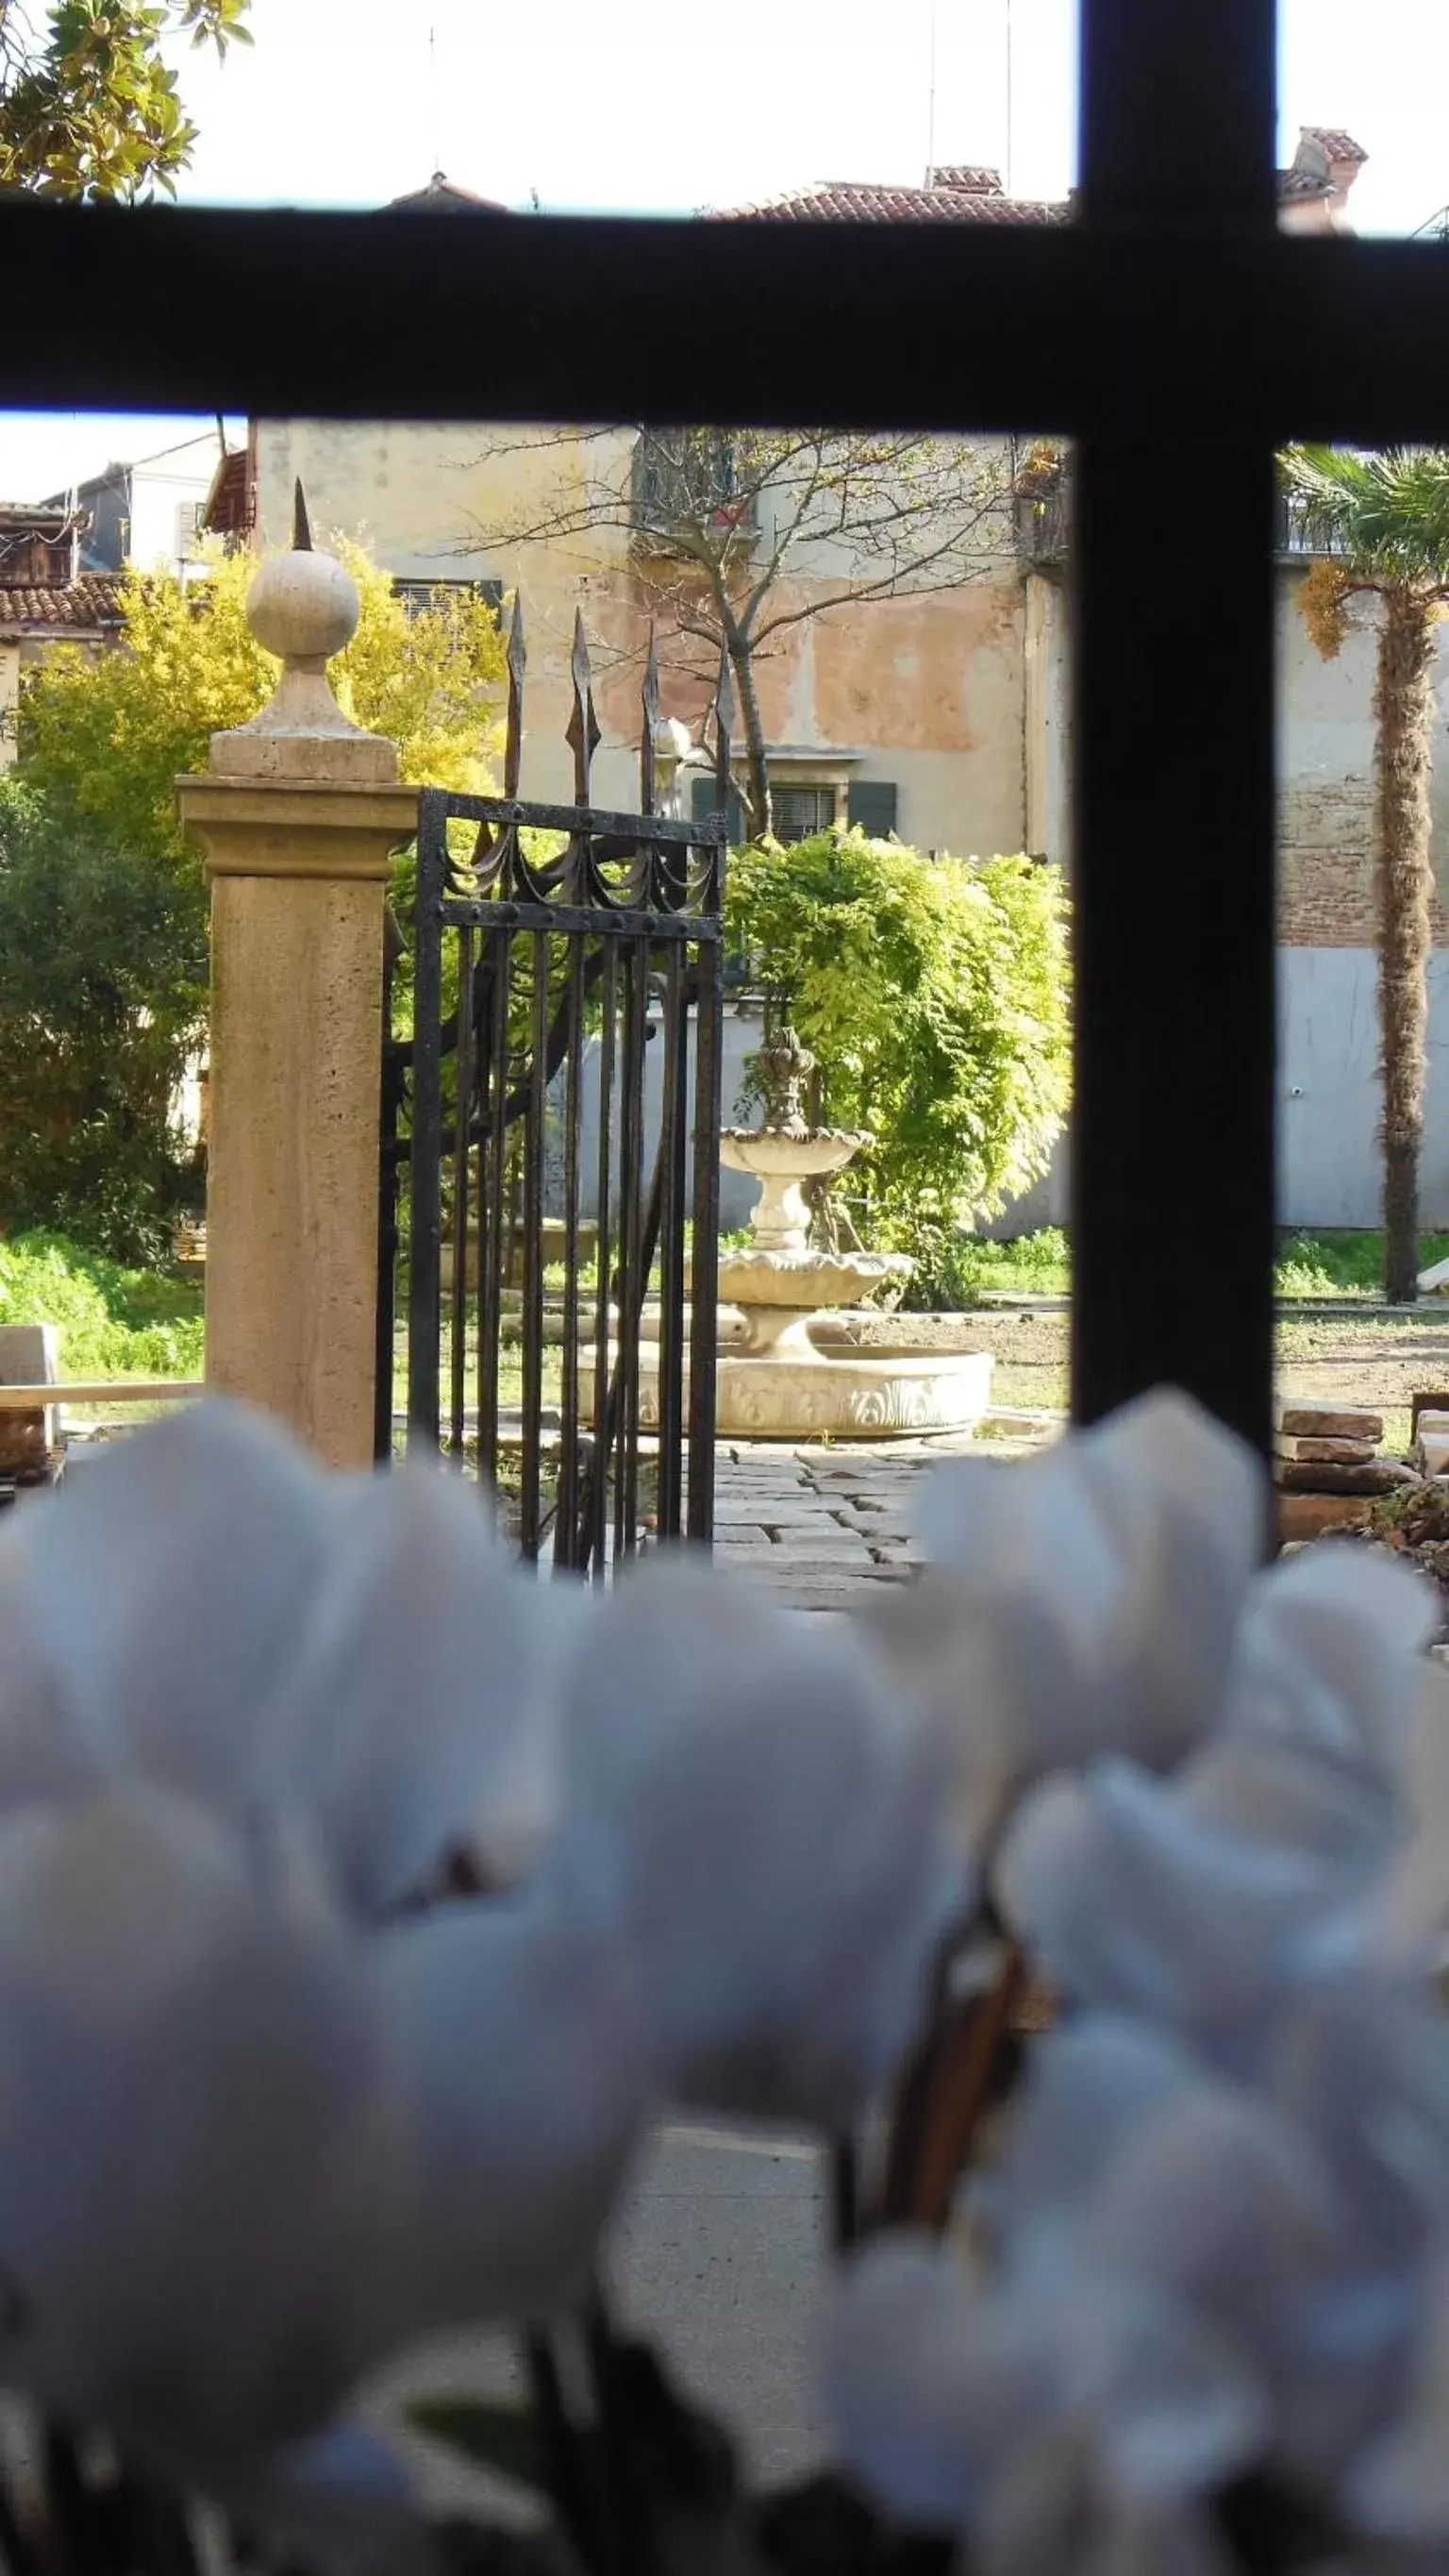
(823, 1547)
(29, 1356)
(1302, 1420)
(1307, 1516)
(1332, 1453)
(1382, 1476)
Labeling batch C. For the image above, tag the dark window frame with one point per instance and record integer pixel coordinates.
(1171, 298)
(783, 789)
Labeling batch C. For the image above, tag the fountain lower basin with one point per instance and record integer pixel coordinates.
(775, 1381)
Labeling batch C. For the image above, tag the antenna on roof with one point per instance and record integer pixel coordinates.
(1008, 97)
(931, 96)
(433, 94)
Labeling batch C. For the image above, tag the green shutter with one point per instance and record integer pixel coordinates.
(702, 805)
(872, 805)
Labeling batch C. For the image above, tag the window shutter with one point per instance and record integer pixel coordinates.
(702, 805)
(872, 805)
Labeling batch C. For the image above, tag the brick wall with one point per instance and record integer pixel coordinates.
(1326, 789)
(1325, 867)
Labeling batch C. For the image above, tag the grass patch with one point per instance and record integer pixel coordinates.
(1342, 1264)
(113, 1322)
(1315, 1267)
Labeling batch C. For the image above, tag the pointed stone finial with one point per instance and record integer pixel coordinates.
(301, 524)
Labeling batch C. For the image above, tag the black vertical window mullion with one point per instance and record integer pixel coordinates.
(1173, 1165)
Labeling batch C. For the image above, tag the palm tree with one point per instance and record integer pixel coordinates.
(1381, 524)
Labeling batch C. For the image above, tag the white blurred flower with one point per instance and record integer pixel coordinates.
(247, 2151)
(1260, 1867)
(198, 2132)
(524, 2062)
(1185, 2279)
(768, 1812)
(1030, 2416)
(208, 1610)
(1084, 1600)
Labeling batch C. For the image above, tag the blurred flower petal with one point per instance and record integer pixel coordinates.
(196, 2133)
(1084, 1600)
(520, 2052)
(1193, 1902)
(770, 1814)
(164, 1594)
(413, 1719)
(930, 2389)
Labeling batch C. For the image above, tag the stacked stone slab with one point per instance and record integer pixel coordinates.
(1327, 1465)
(1331, 1449)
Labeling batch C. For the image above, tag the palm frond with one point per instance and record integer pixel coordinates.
(1385, 515)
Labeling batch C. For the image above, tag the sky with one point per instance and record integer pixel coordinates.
(644, 105)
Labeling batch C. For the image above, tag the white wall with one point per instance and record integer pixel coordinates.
(1328, 1096)
(159, 488)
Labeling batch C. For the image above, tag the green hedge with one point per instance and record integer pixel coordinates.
(113, 1322)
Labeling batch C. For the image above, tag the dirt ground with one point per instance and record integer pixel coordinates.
(1353, 1359)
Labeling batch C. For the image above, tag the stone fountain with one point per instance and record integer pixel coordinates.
(775, 1380)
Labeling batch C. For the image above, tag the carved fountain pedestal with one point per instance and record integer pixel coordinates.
(775, 1380)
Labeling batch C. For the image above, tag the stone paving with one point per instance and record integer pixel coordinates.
(822, 1527)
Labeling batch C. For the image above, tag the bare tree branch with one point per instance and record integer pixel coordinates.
(717, 520)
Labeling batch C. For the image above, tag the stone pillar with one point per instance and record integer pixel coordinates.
(297, 814)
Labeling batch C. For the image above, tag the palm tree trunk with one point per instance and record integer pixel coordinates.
(1404, 720)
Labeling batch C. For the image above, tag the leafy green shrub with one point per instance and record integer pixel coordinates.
(102, 991)
(935, 994)
(113, 1321)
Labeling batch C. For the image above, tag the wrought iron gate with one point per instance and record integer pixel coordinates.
(545, 980)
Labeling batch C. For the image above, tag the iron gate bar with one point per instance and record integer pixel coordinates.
(494, 1198)
(463, 1058)
(661, 926)
(615, 902)
(1144, 312)
(594, 1517)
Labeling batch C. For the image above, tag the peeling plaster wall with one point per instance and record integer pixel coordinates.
(930, 692)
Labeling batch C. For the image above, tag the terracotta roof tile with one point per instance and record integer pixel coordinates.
(846, 202)
(1295, 184)
(93, 600)
(443, 196)
(1332, 140)
(973, 178)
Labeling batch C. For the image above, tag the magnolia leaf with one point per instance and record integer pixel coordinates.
(489, 2432)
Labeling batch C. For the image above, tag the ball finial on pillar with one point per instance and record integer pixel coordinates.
(304, 607)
